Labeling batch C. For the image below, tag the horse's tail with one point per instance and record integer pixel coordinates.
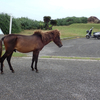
(0, 48)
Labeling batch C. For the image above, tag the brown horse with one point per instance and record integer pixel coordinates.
(25, 44)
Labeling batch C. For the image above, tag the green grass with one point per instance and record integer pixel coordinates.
(76, 30)
(16, 54)
(63, 57)
(73, 30)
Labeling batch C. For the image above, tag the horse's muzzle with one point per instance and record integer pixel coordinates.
(60, 46)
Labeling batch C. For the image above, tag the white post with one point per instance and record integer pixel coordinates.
(10, 25)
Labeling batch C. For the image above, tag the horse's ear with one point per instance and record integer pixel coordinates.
(55, 32)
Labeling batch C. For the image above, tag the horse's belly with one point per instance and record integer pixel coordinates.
(24, 49)
(28, 49)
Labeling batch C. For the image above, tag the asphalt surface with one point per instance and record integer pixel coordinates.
(57, 79)
(79, 47)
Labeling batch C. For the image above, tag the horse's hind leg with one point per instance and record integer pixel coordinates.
(8, 60)
(8, 56)
(2, 60)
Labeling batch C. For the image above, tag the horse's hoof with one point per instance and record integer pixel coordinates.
(33, 69)
(13, 71)
(2, 73)
(37, 71)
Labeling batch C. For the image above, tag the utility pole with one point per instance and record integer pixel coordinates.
(10, 26)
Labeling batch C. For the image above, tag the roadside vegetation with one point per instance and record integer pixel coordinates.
(73, 58)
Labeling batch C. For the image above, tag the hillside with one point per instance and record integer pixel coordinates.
(76, 30)
(73, 30)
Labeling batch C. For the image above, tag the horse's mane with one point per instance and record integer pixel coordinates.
(38, 33)
(49, 35)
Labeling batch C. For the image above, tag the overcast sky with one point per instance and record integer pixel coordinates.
(37, 9)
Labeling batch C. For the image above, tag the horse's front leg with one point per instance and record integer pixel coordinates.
(1, 67)
(36, 60)
(32, 62)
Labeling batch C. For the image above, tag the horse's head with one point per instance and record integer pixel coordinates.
(57, 39)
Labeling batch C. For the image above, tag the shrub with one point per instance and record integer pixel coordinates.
(26, 23)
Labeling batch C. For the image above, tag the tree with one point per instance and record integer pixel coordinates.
(53, 22)
(46, 21)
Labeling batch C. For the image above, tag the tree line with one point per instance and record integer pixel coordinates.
(71, 20)
(23, 23)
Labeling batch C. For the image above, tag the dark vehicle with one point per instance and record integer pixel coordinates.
(95, 34)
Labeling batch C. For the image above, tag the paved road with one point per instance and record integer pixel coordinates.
(80, 47)
(57, 79)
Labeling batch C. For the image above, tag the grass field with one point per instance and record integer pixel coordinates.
(74, 30)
